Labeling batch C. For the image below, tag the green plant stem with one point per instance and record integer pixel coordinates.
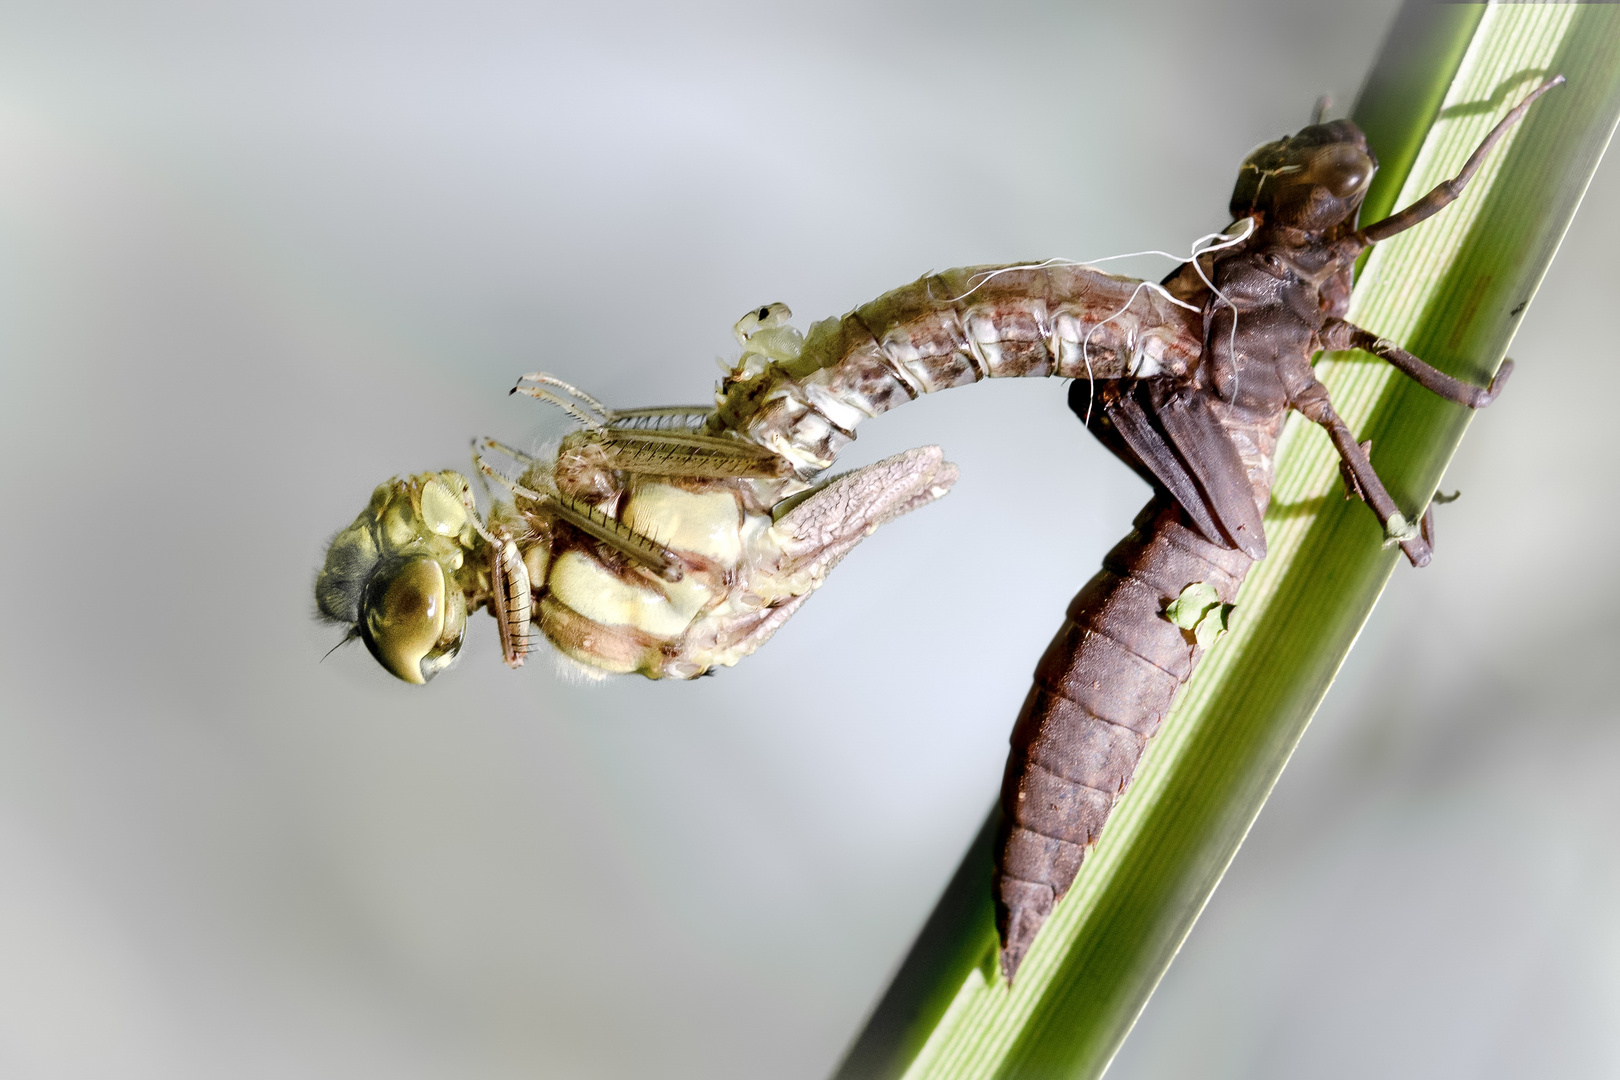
(1452, 291)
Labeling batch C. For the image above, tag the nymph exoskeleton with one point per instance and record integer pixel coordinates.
(671, 541)
(1206, 443)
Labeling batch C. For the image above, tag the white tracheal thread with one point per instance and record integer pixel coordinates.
(1227, 239)
(1085, 342)
(1231, 240)
(605, 417)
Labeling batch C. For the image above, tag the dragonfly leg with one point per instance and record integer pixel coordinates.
(540, 378)
(672, 453)
(526, 460)
(485, 469)
(1314, 405)
(1445, 193)
(592, 414)
(1339, 334)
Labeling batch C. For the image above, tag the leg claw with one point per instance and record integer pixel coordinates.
(1488, 395)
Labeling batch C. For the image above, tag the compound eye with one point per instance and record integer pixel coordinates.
(1343, 169)
(402, 618)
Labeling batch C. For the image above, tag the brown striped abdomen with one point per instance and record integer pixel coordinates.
(952, 329)
(1101, 691)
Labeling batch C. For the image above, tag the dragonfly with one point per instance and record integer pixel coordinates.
(671, 541)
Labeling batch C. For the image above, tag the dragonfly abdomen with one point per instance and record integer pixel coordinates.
(1101, 691)
(952, 329)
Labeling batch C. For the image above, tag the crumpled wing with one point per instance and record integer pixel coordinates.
(813, 533)
(828, 523)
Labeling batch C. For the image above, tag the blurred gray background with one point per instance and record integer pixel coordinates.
(256, 258)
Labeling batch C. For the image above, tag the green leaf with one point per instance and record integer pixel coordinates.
(1188, 609)
(1212, 625)
(1450, 291)
(1200, 610)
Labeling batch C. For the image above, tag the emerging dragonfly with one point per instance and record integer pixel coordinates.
(655, 541)
(669, 541)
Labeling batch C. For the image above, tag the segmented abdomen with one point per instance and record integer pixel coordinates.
(950, 329)
(1101, 691)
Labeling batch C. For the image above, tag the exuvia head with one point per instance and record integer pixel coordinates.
(1313, 180)
(398, 576)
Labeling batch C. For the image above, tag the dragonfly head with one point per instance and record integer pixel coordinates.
(399, 576)
(1313, 180)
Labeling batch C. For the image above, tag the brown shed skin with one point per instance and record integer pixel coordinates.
(1101, 691)
(1206, 439)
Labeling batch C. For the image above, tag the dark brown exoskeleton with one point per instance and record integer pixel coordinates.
(1205, 441)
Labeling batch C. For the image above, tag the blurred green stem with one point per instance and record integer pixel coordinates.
(1452, 291)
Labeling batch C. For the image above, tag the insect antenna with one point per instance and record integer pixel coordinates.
(354, 633)
(1323, 104)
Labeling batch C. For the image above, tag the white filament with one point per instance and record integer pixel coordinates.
(1195, 251)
